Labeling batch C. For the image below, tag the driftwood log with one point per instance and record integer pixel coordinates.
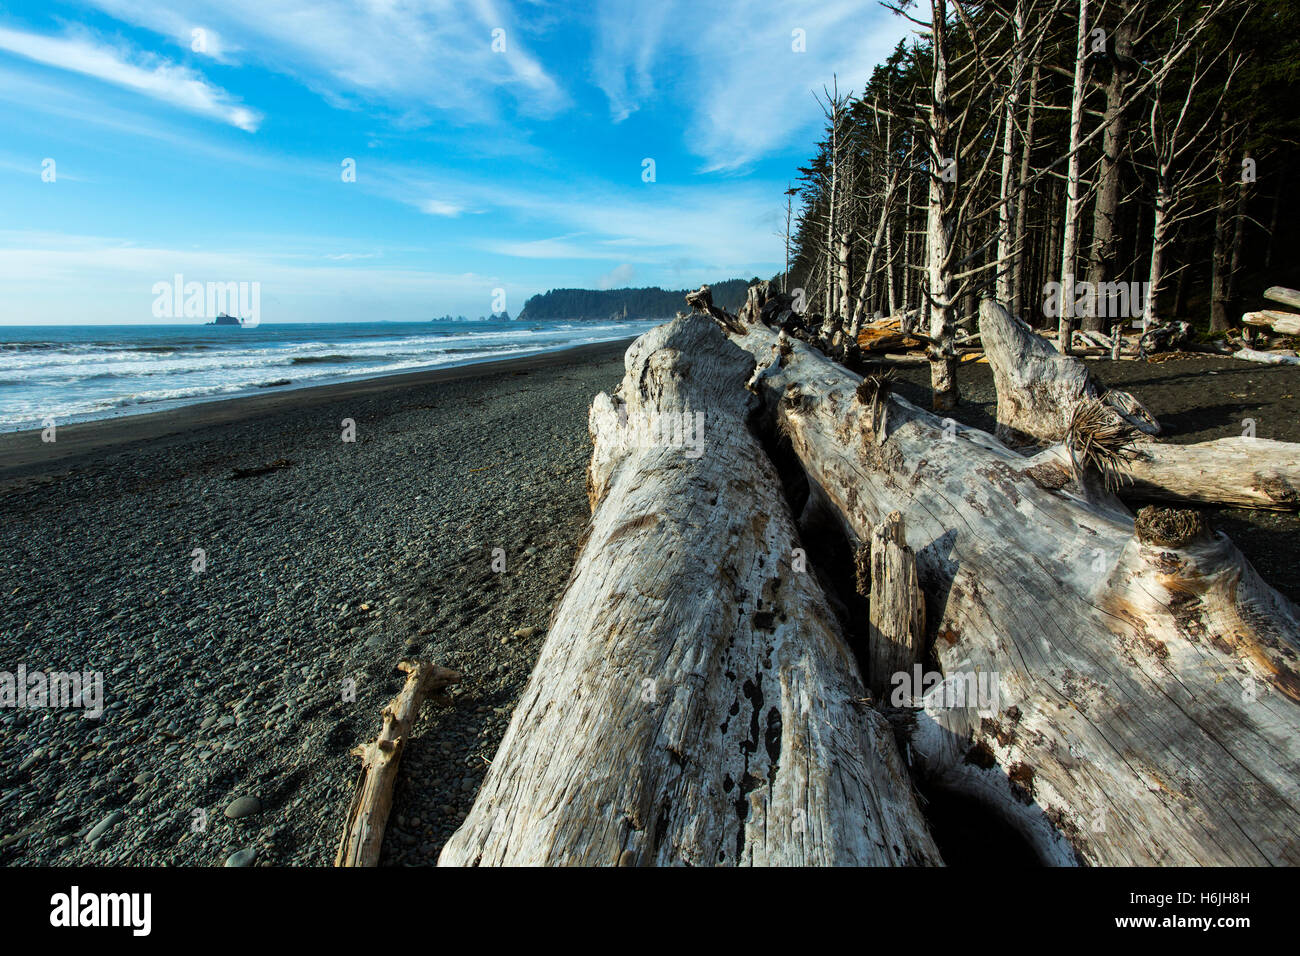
(694, 702)
(1041, 393)
(1039, 388)
(1266, 358)
(1141, 698)
(1287, 323)
(1284, 295)
(363, 834)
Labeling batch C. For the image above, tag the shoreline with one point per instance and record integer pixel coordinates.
(245, 583)
(23, 454)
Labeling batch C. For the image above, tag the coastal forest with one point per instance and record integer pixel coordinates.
(1088, 164)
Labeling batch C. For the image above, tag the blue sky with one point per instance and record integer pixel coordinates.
(219, 154)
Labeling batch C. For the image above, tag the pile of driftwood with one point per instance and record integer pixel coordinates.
(710, 692)
(1272, 350)
(898, 339)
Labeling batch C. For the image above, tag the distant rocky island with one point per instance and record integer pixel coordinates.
(502, 316)
(224, 319)
(605, 304)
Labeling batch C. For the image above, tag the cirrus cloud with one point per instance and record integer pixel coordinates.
(152, 76)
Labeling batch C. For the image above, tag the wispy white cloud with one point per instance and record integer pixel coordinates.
(166, 19)
(439, 207)
(617, 277)
(744, 88)
(149, 76)
(410, 55)
(730, 225)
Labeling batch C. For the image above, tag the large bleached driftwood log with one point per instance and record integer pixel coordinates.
(1040, 392)
(1140, 700)
(694, 702)
(1038, 387)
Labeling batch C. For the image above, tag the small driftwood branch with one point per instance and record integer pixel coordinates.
(363, 834)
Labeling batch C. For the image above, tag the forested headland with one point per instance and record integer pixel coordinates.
(648, 303)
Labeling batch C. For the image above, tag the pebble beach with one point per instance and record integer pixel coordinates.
(233, 695)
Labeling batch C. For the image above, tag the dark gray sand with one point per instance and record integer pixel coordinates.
(329, 569)
(231, 682)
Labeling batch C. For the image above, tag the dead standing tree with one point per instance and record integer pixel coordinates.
(1181, 165)
(957, 131)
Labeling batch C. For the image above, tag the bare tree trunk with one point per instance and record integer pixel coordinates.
(1272, 219)
(1219, 261)
(939, 237)
(1070, 238)
(831, 208)
(1155, 275)
(1105, 231)
(889, 267)
(1018, 241)
(1007, 250)
(1239, 221)
(908, 243)
(845, 292)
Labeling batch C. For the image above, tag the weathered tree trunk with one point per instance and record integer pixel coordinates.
(1020, 305)
(1070, 236)
(939, 232)
(1220, 256)
(1105, 231)
(1145, 703)
(1238, 228)
(694, 702)
(1007, 250)
(1040, 392)
(1155, 274)
(363, 833)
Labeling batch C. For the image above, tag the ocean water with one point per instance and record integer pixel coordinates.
(75, 373)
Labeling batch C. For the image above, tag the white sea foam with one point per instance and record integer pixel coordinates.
(75, 373)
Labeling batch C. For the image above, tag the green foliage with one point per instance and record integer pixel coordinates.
(646, 303)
